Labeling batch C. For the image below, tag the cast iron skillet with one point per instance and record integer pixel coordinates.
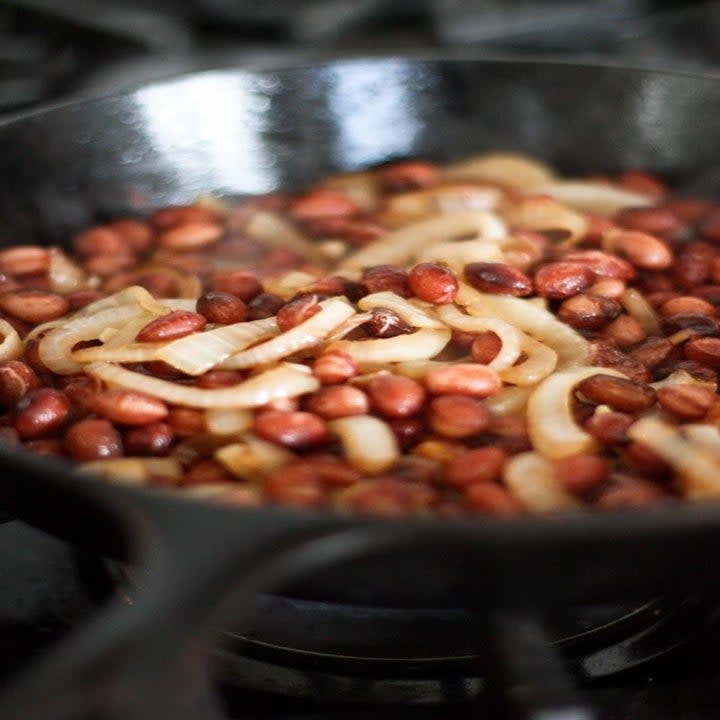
(246, 132)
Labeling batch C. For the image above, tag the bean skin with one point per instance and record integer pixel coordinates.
(41, 412)
(93, 439)
(395, 396)
(458, 416)
(292, 429)
(434, 283)
(480, 465)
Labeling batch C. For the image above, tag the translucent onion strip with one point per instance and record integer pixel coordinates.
(706, 436)
(406, 310)
(133, 470)
(11, 346)
(424, 344)
(508, 169)
(697, 467)
(551, 425)
(509, 401)
(458, 254)
(55, 348)
(253, 458)
(228, 421)
(593, 197)
(197, 353)
(368, 443)
(638, 307)
(288, 284)
(279, 382)
(64, 275)
(546, 214)
(401, 246)
(305, 335)
(132, 353)
(510, 337)
(540, 362)
(571, 347)
(530, 478)
(683, 377)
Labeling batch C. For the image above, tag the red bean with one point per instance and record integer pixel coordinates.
(93, 439)
(498, 278)
(172, 326)
(433, 283)
(458, 416)
(481, 465)
(292, 429)
(463, 379)
(222, 308)
(395, 396)
(338, 401)
(41, 412)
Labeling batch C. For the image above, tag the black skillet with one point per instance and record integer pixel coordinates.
(241, 132)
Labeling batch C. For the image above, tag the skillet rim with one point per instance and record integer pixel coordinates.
(679, 518)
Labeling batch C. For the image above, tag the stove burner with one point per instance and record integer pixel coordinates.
(347, 654)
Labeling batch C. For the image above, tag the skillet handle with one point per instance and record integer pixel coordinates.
(199, 571)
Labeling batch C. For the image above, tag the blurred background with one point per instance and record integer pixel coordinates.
(55, 49)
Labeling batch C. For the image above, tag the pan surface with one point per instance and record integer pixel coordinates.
(233, 132)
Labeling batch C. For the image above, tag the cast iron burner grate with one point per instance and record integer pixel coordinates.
(332, 653)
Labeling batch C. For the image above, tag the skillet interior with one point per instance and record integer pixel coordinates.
(235, 132)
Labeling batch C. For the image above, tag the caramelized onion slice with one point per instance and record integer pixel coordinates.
(368, 443)
(424, 344)
(540, 362)
(280, 382)
(401, 246)
(530, 478)
(593, 197)
(307, 334)
(509, 169)
(405, 309)
(551, 426)
(696, 465)
(64, 275)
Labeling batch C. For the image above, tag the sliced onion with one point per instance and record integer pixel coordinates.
(457, 255)
(509, 401)
(545, 214)
(11, 346)
(682, 377)
(305, 335)
(638, 307)
(508, 169)
(540, 362)
(360, 187)
(133, 295)
(706, 436)
(55, 348)
(551, 426)
(228, 421)
(275, 231)
(417, 369)
(352, 323)
(279, 382)
(368, 443)
(187, 284)
(571, 347)
(406, 310)
(510, 337)
(697, 467)
(253, 458)
(133, 470)
(530, 478)
(132, 353)
(288, 284)
(424, 344)
(593, 197)
(125, 335)
(408, 206)
(64, 275)
(197, 353)
(401, 246)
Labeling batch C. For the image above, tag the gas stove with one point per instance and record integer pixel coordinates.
(656, 659)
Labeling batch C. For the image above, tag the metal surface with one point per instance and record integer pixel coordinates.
(162, 145)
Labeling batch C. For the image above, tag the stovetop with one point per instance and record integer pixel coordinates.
(53, 51)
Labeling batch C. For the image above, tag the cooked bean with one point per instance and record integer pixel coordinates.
(704, 350)
(221, 308)
(386, 277)
(624, 331)
(186, 422)
(408, 431)
(107, 265)
(172, 326)
(700, 324)
(322, 202)
(338, 401)
(481, 465)
(40, 412)
(385, 323)
(485, 347)
(618, 393)
(292, 429)
(644, 250)
(99, 241)
(297, 485)
(330, 470)
(645, 460)
(387, 496)
(264, 306)
(687, 304)
(16, 380)
(608, 288)
(561, 280)
(169, 217)
(649, 220)
(433, 283)
(190, 236)
(510, 432)
(152, 439)
(395, 396)
(498, 278)
(128, 407)
(602, 264)
(241, 283)
(219, 378)
(588, 312)
(93, 439)
(137, 233)
(458, 416)
(297, 311)
(463, 379)
(206, 472)
(652, 352)
(610, 428)
(34, 306)
(689, 402)
(334, 366)
(633, 493)
(579, 474)
(492, 499)
(82, 298)
(407, 175)
(693, 265)
(643, 183)
(24, 260)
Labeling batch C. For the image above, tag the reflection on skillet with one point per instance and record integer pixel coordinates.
(481, 337)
